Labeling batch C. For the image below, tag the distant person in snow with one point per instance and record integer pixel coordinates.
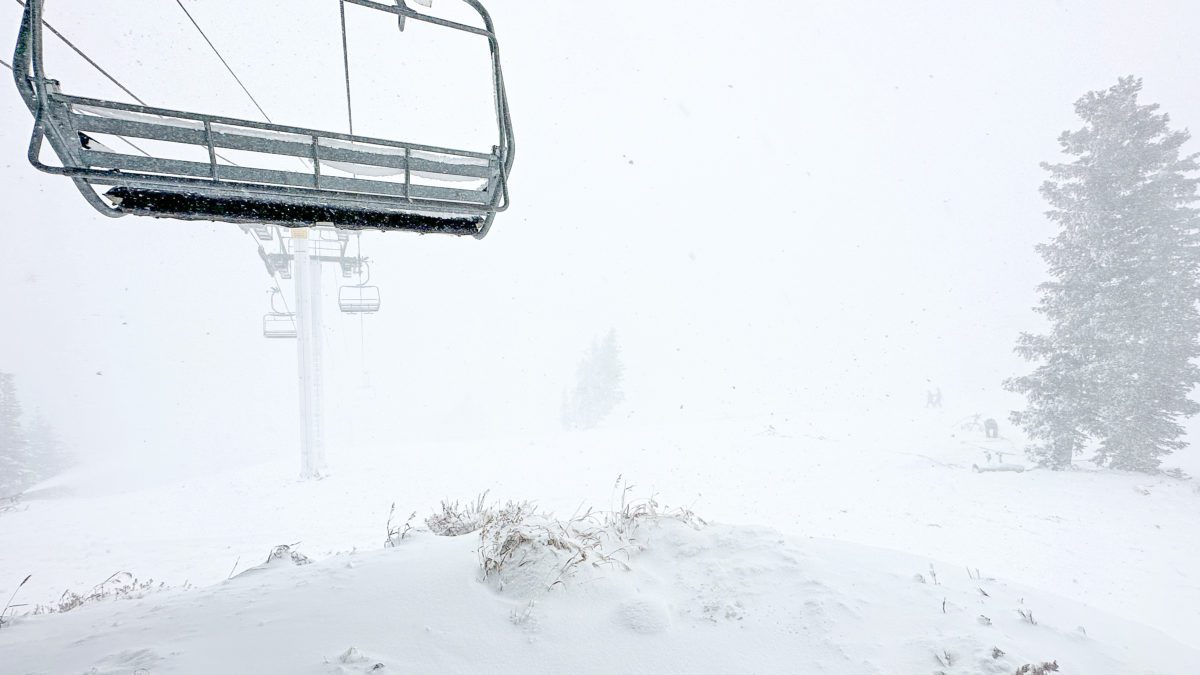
(933, 399)
(991, 428)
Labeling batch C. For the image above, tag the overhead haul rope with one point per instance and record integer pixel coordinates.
(98, 68)
(87, 58)
(83, 55)
(223, 61)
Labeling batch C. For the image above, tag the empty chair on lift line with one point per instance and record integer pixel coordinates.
(393, 183)
(281, 264)
(277, 324)
(360, 298)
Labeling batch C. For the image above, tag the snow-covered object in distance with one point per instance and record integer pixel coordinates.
(280, 556)
(992, 468)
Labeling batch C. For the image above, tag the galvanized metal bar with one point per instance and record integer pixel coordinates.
(316, 160)
(417, 16)
(110, 160)
(234, 141)
(281, 128)
(407, 174)
(212, 152)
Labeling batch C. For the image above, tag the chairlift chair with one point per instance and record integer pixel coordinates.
(279, 324)
(118, 184)
(360, 298)
(281, 264)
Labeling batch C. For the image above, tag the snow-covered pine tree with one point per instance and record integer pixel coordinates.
(46, 451)
(1117, 365)
(16, 470)
(597, 388)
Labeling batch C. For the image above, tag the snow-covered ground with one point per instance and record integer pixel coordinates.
(825, 589)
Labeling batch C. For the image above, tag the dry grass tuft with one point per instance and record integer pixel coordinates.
(516, 540)
(457, 519)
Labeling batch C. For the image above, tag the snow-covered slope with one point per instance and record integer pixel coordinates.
(1111, 552)
(715, 599)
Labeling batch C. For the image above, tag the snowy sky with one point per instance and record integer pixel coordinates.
(781, 207)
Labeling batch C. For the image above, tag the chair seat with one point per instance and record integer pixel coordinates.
(196, 206)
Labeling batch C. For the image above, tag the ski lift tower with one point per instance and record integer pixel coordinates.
(308, 353)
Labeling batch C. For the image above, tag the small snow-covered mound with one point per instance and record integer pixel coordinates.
(684, 597)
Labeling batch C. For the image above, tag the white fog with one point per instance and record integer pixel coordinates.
(759, 287)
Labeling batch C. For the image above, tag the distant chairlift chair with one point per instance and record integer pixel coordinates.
(416, 198)
(360, 298)
(277, 324)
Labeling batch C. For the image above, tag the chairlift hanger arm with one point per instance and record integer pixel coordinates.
(27, 70)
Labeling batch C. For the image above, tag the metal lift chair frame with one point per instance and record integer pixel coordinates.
(279, 325)
(190, 190)
(360, 298)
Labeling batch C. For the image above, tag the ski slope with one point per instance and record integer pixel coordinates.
(829, 514)
(720, 599)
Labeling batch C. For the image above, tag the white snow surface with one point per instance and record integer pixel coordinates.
(819, 587)
(719, 599)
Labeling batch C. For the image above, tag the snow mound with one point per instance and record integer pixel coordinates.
(686, 597)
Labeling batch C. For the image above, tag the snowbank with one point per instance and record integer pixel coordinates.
(694, 598)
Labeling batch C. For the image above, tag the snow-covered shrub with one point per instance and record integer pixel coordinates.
(9, 605)
(1038, 668)
(284, 555)
(397, 533)
(626, 519)
(119, 586)
(516, 543)
(528, 552)
(287, 553)
(10, 504)
(457, 519)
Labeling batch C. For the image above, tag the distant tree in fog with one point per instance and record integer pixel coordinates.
(1115, 370)
(46, 451)
(16, 466)
(597, 389)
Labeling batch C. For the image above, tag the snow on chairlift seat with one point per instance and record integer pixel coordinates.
(352, 182)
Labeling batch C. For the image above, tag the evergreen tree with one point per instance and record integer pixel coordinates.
(16, 467)
(1117, 366)
(46, 451)
(597, 387)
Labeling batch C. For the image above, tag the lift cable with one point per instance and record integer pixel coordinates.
(223, 61)
(87, 58)
(106, 74)
(95, 65)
